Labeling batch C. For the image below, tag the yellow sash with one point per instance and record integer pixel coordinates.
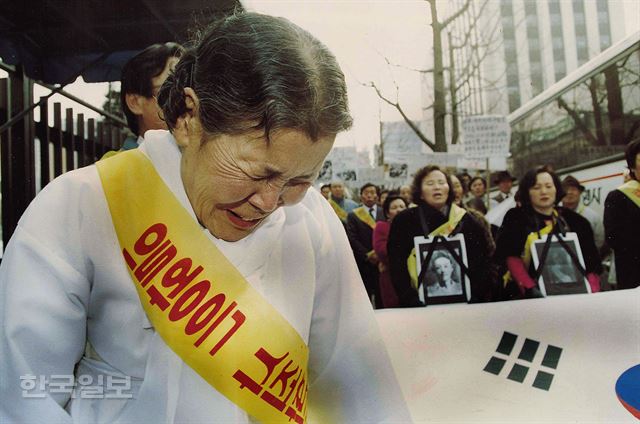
(342, 214)
(526, 255)
(363, 214)
(455, 216)
(632, 190)
(198, 302)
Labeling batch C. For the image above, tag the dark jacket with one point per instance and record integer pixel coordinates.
(360, 237)
(519, 222)
(406, 226)
(622, 234)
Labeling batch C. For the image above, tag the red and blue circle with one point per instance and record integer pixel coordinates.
(628, 390)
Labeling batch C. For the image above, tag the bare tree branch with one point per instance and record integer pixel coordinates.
(396, 65)
(578, 121)
(397, 106)
(455, 15)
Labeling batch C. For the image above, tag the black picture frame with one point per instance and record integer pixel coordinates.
(560, 275)
(444, 280)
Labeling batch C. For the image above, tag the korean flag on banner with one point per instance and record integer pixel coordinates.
(573, 358)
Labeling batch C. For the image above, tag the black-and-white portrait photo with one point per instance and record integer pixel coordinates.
(443, 275)
(326, 173)
(398, 170)
(347, 175)
(560, 275)
(444, 280)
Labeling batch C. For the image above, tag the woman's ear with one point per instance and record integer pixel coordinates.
(191, 100)
(188, 128)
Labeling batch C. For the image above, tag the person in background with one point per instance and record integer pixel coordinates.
(184, 271)
(360, 224)
(341, 205)
(458, 190)
(142, 77)
(392, 206)
(405, 192)
(478, 189)
(504, 181)
(622, 222)
(571, 200)
(325, 190)
(488, 230)
(465, 180)
(383, 196)
(441, 216)
(539, 193)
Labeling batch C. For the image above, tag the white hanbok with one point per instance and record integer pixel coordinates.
(68, 307)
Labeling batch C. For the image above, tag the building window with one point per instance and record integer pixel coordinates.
(578, 7)
(560, 70)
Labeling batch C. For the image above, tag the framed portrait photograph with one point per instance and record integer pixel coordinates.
(444, 280)
(398, 170)
(560, 275)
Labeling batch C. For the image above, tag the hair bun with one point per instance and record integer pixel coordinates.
(171, 95)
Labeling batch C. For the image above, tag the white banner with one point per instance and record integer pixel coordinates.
(495, 163)
(485, 136)
(443, 159)
(371, 175)
(551, 360)
(344, 164)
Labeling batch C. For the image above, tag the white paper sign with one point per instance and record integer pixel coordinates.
(485, 136)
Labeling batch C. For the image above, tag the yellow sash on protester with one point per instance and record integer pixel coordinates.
(198, 302)
(631, 189)
(526, 255)
(342, 214)
(455, 216)
(363, 214)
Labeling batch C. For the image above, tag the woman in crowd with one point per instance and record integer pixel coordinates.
(431, 190)
(383, 196)
(458, 190)
(478, 189)
(392, 206)
(173, 271)
(539, 193)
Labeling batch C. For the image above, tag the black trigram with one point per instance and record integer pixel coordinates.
(524, 360)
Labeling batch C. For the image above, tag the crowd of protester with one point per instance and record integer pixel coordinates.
(497, 261)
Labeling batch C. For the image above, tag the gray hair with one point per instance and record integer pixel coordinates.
(252, 71)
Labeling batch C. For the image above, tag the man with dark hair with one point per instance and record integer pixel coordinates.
(621, 222)
(504, 181)
(325, 190)
(142, 77)
(571, 200)
(360, 225)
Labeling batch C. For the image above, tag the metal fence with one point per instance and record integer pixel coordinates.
(32, 153)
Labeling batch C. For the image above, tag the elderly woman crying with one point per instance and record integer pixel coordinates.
(199, 270)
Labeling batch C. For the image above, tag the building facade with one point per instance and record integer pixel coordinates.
(505, 52)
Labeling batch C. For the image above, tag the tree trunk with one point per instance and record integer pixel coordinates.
(439, 95)
(615, 107)
(453, 94)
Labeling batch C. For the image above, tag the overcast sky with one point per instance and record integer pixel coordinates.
(361, 34)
